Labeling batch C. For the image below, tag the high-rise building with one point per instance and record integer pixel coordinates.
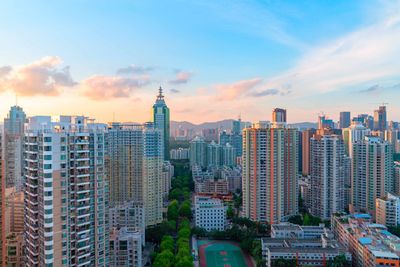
(2, 203)
(380, 120)
(198, 152)
(214, 154)
(134, 164)
(388, 210)
(161, 121)
(306, 137)
(279, 115)
(125, 162)
(372, 172)
(356, 132)
(324, 122)
(327, 175)
(13, 135)
(345, 120)
(66, 193)
(270, 172)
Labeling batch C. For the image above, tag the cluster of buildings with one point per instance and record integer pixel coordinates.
(80, 193)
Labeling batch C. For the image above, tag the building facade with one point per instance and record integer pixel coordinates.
(162, 122)
(327, 176)
(210, 213)
(372, 173)
(13, 148)
(125, 248)
(388, 210)
(269, 181)
(66, 193)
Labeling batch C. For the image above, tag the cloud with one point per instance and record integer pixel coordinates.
(371, 89)
(174, 91)
(266, 92)
(5, 70)
(368, 55)
(42, 77)
(101, 87)
(134, 69)
(181, 77)
(237, 89)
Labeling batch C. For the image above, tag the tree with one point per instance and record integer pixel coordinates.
(172, 213)
(185, 262)
(184, 232)
(175, 193)
(296, 219)
(167, 243)
(164, 259)
(185, 210)
(230, 213)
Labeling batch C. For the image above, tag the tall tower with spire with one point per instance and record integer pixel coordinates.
(161, 120)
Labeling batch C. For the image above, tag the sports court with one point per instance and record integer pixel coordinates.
(214, 253)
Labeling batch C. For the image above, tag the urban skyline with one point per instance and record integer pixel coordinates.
(247, 58)
(229, 133)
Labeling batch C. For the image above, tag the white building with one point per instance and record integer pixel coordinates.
(356, 132)
(125, 248)
(388, 210)
(290, 230)
(210, 213)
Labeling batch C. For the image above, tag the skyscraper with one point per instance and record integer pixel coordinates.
(2, 204)
(380, 120)
(270, 172)
(125, 162)
(13, 135)
(198, 152)
(161, 121)
(66, 193)
(372, 172)
(134, 164)
(356, 132)
(327, 176)
(279, 115)
(306, 137)
(345, 120)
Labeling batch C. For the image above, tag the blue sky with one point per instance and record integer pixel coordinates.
(215, 59)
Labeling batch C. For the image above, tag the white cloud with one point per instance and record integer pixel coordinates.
(42, 77)
(367, 55)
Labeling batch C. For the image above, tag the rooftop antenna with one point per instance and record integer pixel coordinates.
(16, 99)
(160, 95)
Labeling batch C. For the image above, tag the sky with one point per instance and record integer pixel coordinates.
(214, 59)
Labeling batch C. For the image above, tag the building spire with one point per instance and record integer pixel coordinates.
(160, 95)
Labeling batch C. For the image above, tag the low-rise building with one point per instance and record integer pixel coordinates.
(210, 213)
(125, 248)
(370, 244)
(301, 251)
(290, 230)
(219, 187)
